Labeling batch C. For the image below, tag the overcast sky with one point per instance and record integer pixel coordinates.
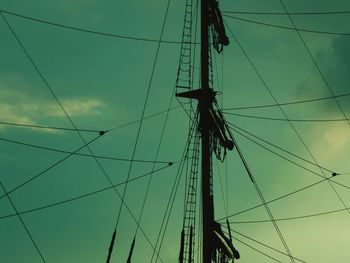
(101, 83)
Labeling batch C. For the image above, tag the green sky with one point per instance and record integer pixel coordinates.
(102, 82)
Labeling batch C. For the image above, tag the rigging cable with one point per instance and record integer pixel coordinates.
(79, 154)
(222, 104)
(155, 160)
(291, 218)
(140, 125)
(285, 158)
(174, 189)
(291, 13)
(45, 127)
(288, 28)
(85, 30)
(24, 225)
(222, 188)
(280, 119)
(84, 130)
(257, 250)
(262, 244)
(145, 118)
(284, 150)
(284, 114)
(275, 199)
(327, 85)
(314, 62)
(82, 196)
(225, 203)
(68, 117)
(262, 199)
(158, 149)
(50, 167)
(286, 103)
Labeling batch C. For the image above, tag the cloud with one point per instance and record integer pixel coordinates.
(75, 107)
(337, 138)
(333, 145)
(19, 106)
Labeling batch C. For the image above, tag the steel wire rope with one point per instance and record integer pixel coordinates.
(282, 149)
(56, 98)
(262, 244)
(217, 73)
(82, 195)
(291, 218)
(139, 128)
(169, 209)
(79, 154)
(285, 158)
(325, 82)
(314, 62)
(84, 130)
(66, 114)
(327, 85)
(280, 119)
(39, 73)
(283, 112)
(283, 14)
(253, 248)
(257, 188)
(24, 224)
(274, 200)
(257, 250)
(217, 162)
(49, 167)
(145, 118)
(286, 103)
(279, 155)
(85, 30)
(226, 182)
(50, 89)
(288, 28)
(222, 103)
(46, 127)
(173, 192)
(222, 188)
(156, 158)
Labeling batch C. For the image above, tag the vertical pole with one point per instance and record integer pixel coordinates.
(181, 255)
(190, 255)
(204, 104)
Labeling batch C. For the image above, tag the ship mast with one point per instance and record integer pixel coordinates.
(205, 103)
(214, 136)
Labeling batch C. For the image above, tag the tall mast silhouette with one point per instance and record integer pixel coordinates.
(205, 102)
(214, 136)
